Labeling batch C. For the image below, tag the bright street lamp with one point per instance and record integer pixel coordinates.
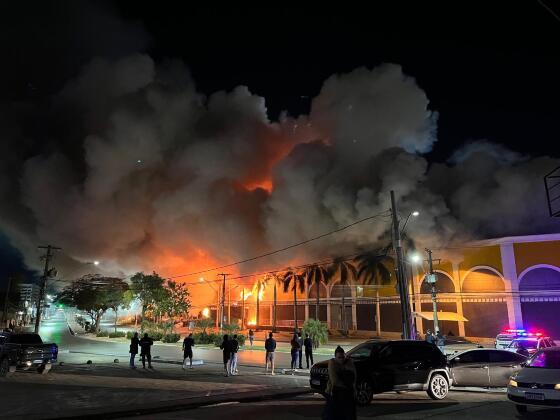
(415, 258)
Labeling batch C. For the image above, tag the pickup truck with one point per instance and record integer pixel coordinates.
(25, 351)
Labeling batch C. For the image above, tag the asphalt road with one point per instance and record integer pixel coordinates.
(75, 348)
(409, 406)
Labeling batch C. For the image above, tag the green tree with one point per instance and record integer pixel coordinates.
(346, 272)
(291, 278)
(317, 331)
(147, 288)
(94, 295)
(179, 301)
(373, 268)
(204, 324)
(316, 274)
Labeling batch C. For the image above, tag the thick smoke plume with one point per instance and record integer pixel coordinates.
(141, 171)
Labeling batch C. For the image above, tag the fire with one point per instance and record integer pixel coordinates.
(245, 294)
(206, 313)
(252, 322)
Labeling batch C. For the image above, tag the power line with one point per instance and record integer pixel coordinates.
(268, 254)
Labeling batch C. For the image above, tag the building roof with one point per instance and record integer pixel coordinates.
(548, 237)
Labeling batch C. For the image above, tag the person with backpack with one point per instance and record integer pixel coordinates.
(270, 347)
(308, 344)
(226, 354)
(188, 344)
(234, 348)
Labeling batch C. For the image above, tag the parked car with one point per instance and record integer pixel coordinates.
(538, 383)
(25, 351)
(484, 367)
(383, 366)
(454, 344)
(527, 346)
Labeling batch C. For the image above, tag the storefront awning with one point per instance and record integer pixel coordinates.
(442, 316)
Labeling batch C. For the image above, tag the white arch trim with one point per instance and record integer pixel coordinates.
(482, 267)
(534, 267)
(445, 273)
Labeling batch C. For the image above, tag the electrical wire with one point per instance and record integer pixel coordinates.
(286, 248)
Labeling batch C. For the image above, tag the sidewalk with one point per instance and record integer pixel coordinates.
(104, 390)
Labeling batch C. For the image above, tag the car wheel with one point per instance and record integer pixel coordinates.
(521, 409)
(4, 367)
(364, 393)
(438, 387)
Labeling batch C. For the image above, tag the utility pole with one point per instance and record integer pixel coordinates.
(5, 313)
(223, 301)
(401, 277)
(432, 280)
(46, 273)
(243, 309)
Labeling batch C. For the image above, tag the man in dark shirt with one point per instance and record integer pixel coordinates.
(145, 350)
(234, 348)
(270, 347)
(188, 344)
(308, 344)
(300, 353)
(134, 342)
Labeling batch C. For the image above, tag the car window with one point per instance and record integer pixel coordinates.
(524, 344)
(475, 356)
(399, 353)
(497, 356)
(363, 351)
(545, 359)
(26, 339)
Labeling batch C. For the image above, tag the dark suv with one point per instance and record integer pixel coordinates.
(382, 366)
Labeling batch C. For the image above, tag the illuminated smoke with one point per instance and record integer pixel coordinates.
(150, 174)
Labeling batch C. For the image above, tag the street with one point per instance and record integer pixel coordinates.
(109, 389)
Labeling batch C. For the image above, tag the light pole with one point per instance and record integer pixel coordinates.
(431, 278)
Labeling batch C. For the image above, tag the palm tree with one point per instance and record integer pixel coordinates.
(292, 278)
(346, 271)
(275, 279)
(372, 267)
(314, 275)
(259, 285)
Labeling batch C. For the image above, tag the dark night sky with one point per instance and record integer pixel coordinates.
(490, 71)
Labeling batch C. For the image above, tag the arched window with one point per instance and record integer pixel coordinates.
(483, 280)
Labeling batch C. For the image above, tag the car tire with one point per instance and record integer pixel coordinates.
(521, 409)
(4, 367)
(438, 387)
(364, 393)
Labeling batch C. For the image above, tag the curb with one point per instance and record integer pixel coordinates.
(188, 404)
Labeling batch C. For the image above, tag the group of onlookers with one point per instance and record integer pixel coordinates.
(230, 347)
(298, 344)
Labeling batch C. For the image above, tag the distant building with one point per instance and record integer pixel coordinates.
(29, 293)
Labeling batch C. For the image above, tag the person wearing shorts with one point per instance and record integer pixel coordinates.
(270, 347)
(188, 344)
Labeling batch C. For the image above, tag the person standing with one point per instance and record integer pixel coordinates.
(440, 341)
(251, 337)
(308, 344)
(234, 348)
(341, 388)
(294, 352)
(188, 344)
(300, 353)
(134, 342)
(430, 337)
(270, 347)
(226, 354)
(145, 350)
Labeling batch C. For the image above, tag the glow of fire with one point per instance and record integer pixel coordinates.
(248, 293)
(206, 312)
(252, 322)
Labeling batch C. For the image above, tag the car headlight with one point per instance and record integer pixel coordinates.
(512, 382)
(557, 386)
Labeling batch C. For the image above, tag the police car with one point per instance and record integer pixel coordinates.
(504, 339)
(530, 343)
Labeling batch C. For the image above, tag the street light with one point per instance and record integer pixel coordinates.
(415, 258)
(414, 213)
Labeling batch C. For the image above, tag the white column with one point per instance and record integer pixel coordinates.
(354, 309)
(377, 314)
(515, 316)
(329, 325)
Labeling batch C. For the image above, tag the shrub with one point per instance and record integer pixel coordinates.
(130, 334)
(155, 335)
(171, 338)
(231, 329)
(117, 334)
(220, 337)
(204, 324)
(102, 334)
(317, 331)
(205, 338)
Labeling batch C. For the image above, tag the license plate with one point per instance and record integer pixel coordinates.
(315, 382)
(37, 361)
(534, 396)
